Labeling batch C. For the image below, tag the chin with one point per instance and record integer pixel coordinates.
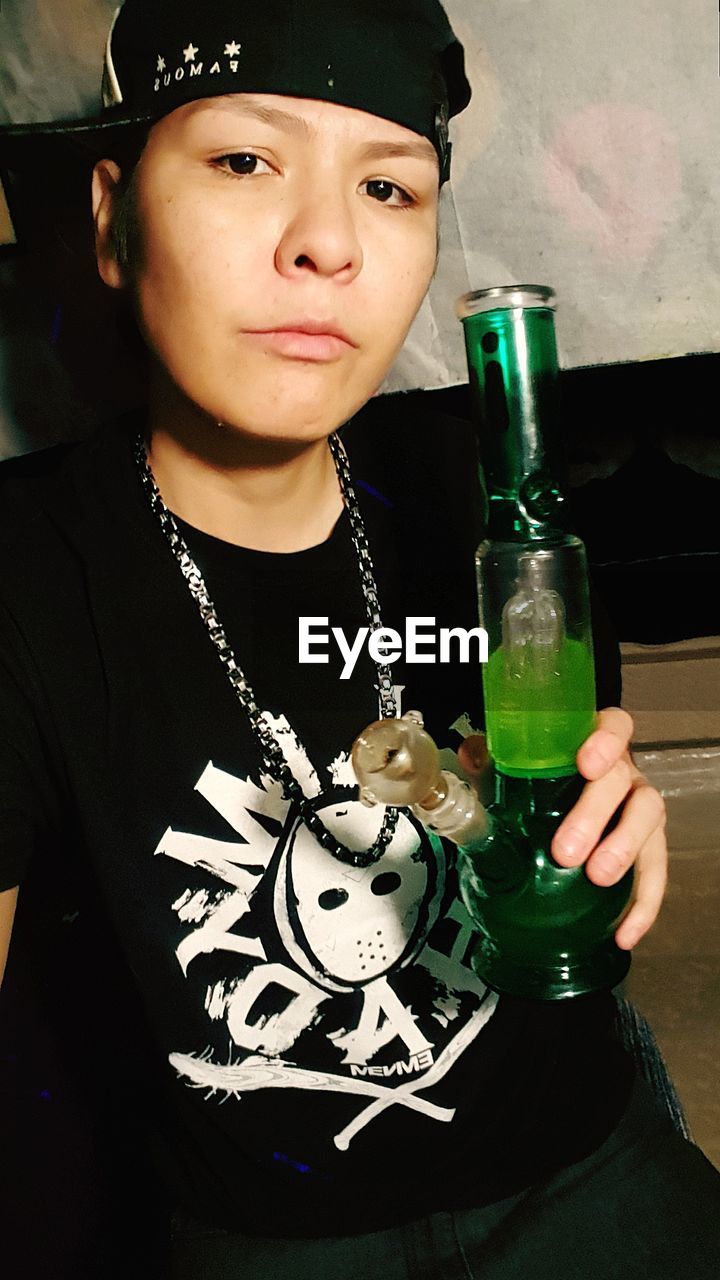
(289, 428)
(290, 417)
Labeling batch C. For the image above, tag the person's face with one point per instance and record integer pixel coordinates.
(256, 221)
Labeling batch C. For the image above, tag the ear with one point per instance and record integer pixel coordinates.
(106, 176)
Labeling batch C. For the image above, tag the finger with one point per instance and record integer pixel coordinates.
(582, 827)
(651, 875)
(605, 746)
(643, 812)
(473, 753)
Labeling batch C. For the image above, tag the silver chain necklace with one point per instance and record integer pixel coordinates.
(272, 753)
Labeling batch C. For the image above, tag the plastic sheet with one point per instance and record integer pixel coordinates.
(688, 778)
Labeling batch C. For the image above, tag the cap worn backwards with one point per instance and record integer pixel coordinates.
(398, 59)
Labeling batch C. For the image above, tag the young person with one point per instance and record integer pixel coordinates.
(322, 1081)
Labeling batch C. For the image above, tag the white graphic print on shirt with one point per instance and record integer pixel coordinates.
(344, 932)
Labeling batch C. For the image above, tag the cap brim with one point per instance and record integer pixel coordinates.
(22, 146)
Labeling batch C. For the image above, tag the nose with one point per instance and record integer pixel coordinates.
(320, 235)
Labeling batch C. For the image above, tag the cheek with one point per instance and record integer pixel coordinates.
(412, 271)
(184, 267)
(396, 290)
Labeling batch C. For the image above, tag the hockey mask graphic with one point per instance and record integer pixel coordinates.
(355, 923)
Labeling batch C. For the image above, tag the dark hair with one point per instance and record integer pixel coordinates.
(126, 228)
(126, 235)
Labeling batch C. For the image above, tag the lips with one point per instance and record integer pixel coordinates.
(305, 339)
(298, 345)
(319, 328)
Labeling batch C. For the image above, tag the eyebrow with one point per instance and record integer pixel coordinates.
(293, 124)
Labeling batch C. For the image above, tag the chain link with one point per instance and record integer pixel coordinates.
(272, 754)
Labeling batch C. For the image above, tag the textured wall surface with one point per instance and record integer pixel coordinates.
(587, 160)
(51, 57)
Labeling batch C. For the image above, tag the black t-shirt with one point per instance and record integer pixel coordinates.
(312, 1052)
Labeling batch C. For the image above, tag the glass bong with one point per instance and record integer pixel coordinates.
(544, 931)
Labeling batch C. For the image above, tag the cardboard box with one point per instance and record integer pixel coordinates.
(672, 691)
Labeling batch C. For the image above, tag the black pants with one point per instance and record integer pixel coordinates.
(644, 1206)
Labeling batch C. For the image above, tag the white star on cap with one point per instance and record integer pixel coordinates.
(190, 52)
(161, 64)
(232, 50)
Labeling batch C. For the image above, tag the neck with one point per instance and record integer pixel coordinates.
(260, 493)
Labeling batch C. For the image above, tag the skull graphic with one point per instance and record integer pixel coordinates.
(344, 925)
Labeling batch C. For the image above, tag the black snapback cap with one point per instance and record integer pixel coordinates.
(398, 59)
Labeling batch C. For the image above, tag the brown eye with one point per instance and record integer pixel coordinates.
(242, 163)
(381, 190)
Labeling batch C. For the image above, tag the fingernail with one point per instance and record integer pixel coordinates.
(569, 845)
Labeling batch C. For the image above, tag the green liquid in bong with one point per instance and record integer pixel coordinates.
(538, 714)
